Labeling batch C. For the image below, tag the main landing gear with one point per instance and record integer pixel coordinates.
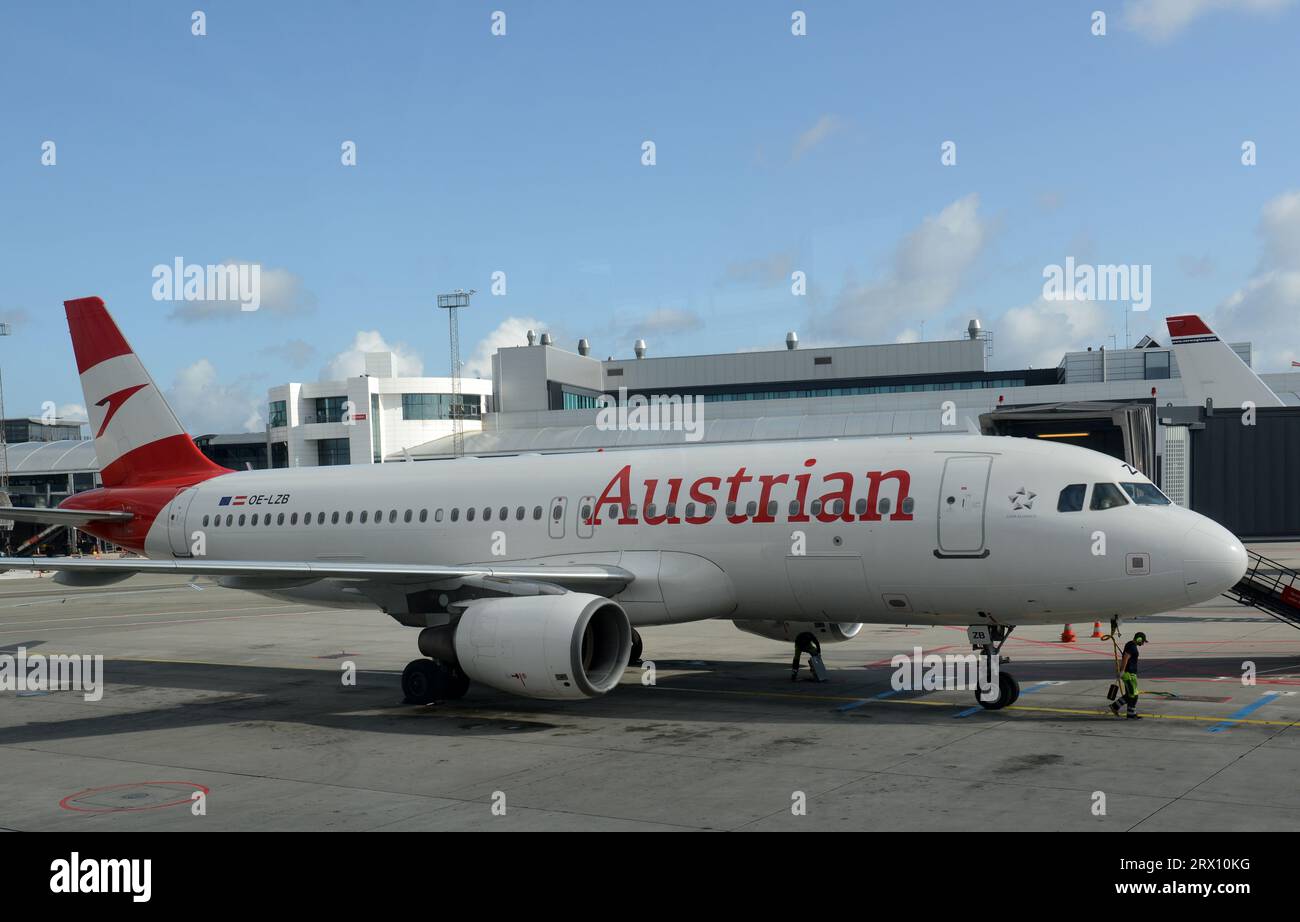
(988, 640)
(807, 643)
(425, 681)
(635, 658)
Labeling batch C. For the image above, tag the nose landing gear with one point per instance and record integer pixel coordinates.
(988, 640)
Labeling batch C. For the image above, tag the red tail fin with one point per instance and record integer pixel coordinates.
(138, 439)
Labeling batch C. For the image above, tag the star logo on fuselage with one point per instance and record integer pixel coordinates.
(1022, 499)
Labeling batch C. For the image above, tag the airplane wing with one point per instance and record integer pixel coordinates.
(77, 517)
(600, 579)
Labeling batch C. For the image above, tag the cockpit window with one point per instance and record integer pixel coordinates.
(1106, 496)
(1071, 499)
(1145, 494)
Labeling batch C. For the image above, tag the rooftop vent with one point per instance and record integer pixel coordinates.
(546, 339)
(584, 347)
(973, 329)
(639, 348)
(532, 338)
(792, 340)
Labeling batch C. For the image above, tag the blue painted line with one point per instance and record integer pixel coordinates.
(977, 708)
(852, 705)
(1248, 709)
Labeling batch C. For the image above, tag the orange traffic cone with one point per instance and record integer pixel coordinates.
(1067, 635)
(1096, 630)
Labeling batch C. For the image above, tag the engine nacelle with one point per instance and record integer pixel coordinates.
(573, 645)
(824, 631)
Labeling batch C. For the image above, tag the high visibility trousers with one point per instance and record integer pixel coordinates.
(1129, 686)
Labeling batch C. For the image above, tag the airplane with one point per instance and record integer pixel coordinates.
(530, 574)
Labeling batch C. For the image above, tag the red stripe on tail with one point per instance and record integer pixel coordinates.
(95, 337)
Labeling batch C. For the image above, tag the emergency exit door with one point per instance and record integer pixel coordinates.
(962, 496)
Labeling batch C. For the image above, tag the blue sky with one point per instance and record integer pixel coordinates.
(522, 154)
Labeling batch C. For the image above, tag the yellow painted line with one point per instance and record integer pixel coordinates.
(951, 704)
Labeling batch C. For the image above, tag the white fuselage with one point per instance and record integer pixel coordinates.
(970, 544)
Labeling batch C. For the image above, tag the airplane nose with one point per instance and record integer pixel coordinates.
(1213, 561)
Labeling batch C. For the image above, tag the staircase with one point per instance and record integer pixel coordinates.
(1270, 587)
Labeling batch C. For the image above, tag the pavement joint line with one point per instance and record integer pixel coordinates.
(947, 704)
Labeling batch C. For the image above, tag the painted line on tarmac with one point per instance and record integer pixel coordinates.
(1079, 712)
(1248, 709)
(861, 701)
(979, 707)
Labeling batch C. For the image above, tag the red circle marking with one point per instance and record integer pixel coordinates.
(66, 804)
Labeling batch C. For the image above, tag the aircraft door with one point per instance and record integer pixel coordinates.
(556, 526)
(962, 496)
(180, 542)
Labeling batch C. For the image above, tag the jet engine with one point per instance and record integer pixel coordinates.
(565, 646)
(824, 631)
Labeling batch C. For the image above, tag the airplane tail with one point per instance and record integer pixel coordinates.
(1210, 369)
(138, 439)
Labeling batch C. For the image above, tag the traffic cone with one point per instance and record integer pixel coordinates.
(1067, 635)
(1096, 630)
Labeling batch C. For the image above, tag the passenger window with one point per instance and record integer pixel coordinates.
(455, 514)
(816, 507)
(437, 515)
(860, 507)
(771, 508)
(334, 518)
(519, 514)
(690, 510)
(392, 516)
(229, 519)
(710, 509)
(671, 510)
(348, 518)
(470, 513)
(1106, 496)
(751, 509)
(586, 513)
(216, 521)
(1145, 494)
(1071, 498)
(279, 519)
(882, 507)
(908, 505)
(365, 516)
(406, 518)
(505, 513)
(205, 521)
(487, 513)
(293, 518)
(557, 512)
(266, 519)
(537, 513)
(794, 506)
(424, 515)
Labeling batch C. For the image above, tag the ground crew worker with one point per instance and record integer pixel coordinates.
(1128, 677)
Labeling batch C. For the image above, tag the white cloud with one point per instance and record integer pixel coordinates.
(72, 413)
(281, 292)
(513, 331)
(928, 267)
(815, 136)
(204, 405)
(1264, 309)
(1161, 20)
(665, 321)
(351, 362)
(1039, 333)
(296, 353)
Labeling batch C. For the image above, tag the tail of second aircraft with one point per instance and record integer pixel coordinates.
(1210, 369)
(138, 439)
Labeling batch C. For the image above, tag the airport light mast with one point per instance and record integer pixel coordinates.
(452, 303)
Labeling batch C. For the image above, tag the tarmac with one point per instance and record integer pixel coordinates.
(242, 699)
